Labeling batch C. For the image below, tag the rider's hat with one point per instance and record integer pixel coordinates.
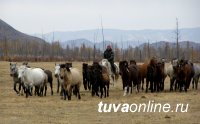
(109, 47)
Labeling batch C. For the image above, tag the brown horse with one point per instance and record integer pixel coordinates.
(129, 74)
(143, 73)
(185, 72)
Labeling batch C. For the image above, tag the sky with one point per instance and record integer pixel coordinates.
(43, 16)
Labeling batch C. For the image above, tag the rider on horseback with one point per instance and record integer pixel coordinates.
(109, 55)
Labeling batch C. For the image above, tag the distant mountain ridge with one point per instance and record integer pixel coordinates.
(115, 35)
(8, 32)
(125, 45)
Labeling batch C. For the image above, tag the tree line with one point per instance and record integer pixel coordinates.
(54, 51)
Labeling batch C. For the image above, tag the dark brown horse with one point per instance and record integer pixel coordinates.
(129, 74)
(151, 75)
(101, 80)
(185, 72)
(155, 75)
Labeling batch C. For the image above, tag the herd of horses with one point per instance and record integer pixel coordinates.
(98, 76)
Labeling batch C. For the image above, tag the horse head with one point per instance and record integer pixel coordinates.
(123, 66)
(21, 71)
(57, 70)
(63, 69)
(13, 69)
(104, 62)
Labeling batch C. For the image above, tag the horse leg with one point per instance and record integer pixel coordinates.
(107, 89)
(176, 85)
(138, 86)
(142, 83)
(84, 83)
(51, 86)
(64, 94)
(27, 91)
(171, 84)
(58, 85)
(105, 94)
(101, 90)
(193, 81)
(123, 85)
(159, 86)
(196, 82)
(130, 90)
(125, 89)
(69, 92)
(41, 90)
(147, 85)
(152, 86)
(20, 86)
(15, 84)
(45, 92)
(78, 92)
(89, 85)
(35, 90)
(186, 85)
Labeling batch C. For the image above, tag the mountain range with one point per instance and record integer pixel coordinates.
(11, 34)
(121, 38)
(115, 35)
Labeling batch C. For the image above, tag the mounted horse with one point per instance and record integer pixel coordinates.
(112, 76)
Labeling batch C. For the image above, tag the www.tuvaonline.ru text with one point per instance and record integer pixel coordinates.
(150, 106)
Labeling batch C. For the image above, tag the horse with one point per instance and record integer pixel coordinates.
(129, 74)
(143, 73)
(172, 75)
(86, 82)
(59, 80)
(196, 76)
(71, 78)
(160, 76)
(33, 77)
(185, 72)
(57, 76)
(14, 75)
(151, 75)
(101, 80)
(49, 76)
(112, 76)
(50, 79)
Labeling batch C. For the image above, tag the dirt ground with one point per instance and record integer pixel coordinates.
(51, 109)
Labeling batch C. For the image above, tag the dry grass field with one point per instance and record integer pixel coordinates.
(51, 109)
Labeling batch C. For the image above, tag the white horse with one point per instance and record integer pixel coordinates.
(171, 73)
(33, 77)
(112, 76)
(59, 80)
(16, 80)
(196, 76)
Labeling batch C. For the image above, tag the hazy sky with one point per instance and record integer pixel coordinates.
(35, 16)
